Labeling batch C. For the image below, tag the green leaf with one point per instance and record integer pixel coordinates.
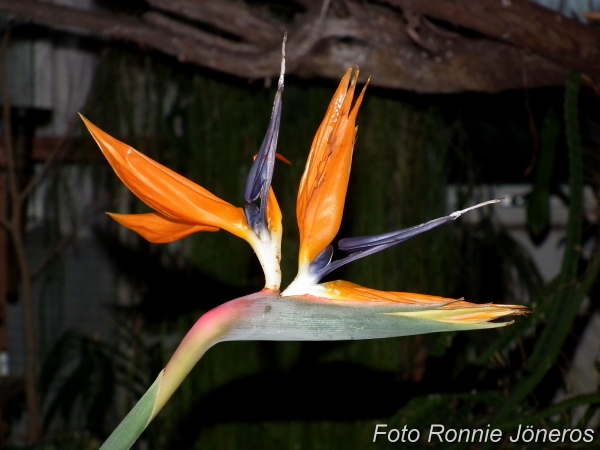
(136, 421)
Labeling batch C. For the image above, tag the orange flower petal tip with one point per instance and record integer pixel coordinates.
(344, 290)
(279, 156)
(472, 314)
(274, 216)
(324, 183)
(427, 307)
(164, 190)
(157, 228)
(283, 159)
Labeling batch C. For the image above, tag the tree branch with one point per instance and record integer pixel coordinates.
(55, 155)
(123, 28)
(393, 41)
(520, 23)
(201, 37)
(235, 18)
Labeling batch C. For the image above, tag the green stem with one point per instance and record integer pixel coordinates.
(134, 423)
(206, 332)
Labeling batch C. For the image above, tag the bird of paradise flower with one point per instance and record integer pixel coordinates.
(306, 309)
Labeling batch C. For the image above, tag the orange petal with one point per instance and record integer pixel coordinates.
(467, 315)
(283, 159)
(430, 307)
(158, 228)
(167, 192)
(273, 214)
(344, 290)
(325, 180)
(279, 157)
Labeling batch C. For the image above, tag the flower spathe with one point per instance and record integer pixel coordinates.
(307, 309)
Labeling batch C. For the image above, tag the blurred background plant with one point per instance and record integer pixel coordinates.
(417, 157)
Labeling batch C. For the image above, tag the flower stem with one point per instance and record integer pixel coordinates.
(207, 331)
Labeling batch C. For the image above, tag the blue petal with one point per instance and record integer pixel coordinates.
(322, 260)
(261, 172)
(392, 238)
(395, 237)
(252, 216)
(367, 245)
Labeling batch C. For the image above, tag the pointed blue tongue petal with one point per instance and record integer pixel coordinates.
(322, 260)
(395, 237)
(252, 215)
(261, 172)
(392, 238)
(359, 247)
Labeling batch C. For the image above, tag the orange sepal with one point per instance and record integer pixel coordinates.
(345, 290)
(273, 214)
(279, 156)
(428, 307)
(467, 315)
(157, 228)
(167, 192)
(325, 180)
(283, 159)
